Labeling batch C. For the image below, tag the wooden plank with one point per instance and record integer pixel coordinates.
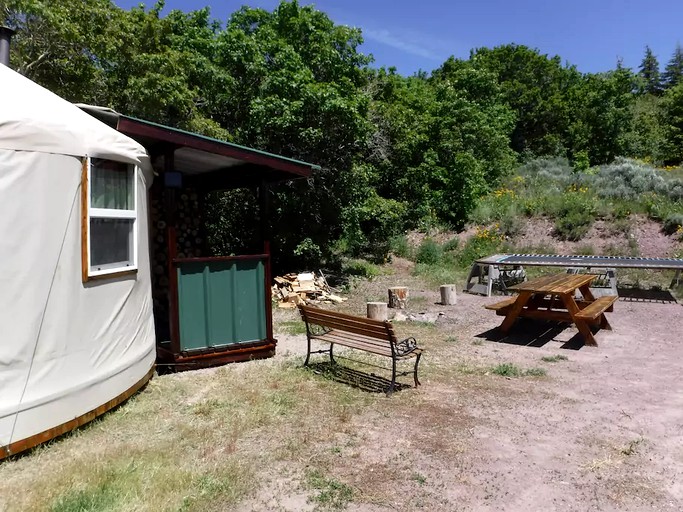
(350, 327)
(375, 349)
(386, 342)
(597, 307)
(85, 224)
(555, 284)
(334, 314)
(358, 325)
(501, 305)
(544, 314)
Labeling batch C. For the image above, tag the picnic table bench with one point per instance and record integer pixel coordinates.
(553, 298)
(365, 334)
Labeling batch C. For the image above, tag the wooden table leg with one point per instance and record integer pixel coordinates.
(586, 292)
(514, 311)
(588, 295)
(584, 329)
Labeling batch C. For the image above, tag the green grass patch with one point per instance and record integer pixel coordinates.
(330, 494)
(361, 268)
(511, 370)
(554, 359)
(292, 327)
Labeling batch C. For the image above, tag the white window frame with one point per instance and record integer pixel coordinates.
(106, 213)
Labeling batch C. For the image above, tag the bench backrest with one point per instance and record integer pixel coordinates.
(381, 330)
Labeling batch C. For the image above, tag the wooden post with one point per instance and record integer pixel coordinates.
(378, 310)
(448, 294)
(398, 297)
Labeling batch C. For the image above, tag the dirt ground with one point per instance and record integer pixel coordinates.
(602, 430)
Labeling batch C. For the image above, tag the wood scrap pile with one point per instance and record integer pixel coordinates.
(291, 290)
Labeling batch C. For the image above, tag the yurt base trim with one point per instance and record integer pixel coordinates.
(204, 359)
(30, 442)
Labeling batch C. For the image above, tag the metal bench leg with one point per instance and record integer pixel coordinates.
(393, 376)
(308, 351)
(331, 354)
(417, 361)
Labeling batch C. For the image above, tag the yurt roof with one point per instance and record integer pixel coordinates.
(33, 118)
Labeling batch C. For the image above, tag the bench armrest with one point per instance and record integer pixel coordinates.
(406, 346)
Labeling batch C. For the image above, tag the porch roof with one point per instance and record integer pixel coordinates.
(203, 158)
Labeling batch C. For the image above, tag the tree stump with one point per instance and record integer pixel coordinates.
(448, 294)
(398, 297)
(378, 310)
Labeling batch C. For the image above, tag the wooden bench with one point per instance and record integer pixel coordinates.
(373, 336)
(501, 307)
(596, 310)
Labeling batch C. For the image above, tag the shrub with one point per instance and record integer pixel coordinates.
(429, 252)
(308, 253)
(673, 224)
(573, 226)
(628, 179)
(361, 268)
(484, 243)
(399, 246)
(451, 245)
(369, 228)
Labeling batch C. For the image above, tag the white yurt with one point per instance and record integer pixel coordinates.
(76, 326)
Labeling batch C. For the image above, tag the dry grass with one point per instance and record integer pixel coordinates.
(187, 442)
(271, 435)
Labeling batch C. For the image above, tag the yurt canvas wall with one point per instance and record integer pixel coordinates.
(76, 325)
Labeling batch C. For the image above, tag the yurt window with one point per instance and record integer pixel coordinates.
(111, 205)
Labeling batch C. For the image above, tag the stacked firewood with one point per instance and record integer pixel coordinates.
(290, 290)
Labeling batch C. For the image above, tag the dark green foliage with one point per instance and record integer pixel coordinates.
(535, 86)
(396, 152)
(451, 245)
(429, 252)
(674, 69)
(673, 116)
(399, 246)
(649, 73)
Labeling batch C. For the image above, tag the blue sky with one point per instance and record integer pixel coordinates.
(413, 35)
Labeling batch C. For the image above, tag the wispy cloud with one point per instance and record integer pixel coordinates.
(409, 44)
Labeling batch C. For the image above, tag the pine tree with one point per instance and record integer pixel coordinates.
(649, 72)
(674, 69)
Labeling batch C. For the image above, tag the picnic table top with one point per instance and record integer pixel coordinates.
(582, 261)
(558, 284)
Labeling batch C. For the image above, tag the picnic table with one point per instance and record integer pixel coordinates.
(554, 298)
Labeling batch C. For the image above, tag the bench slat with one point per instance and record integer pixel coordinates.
(319, 313)
(502, 304)
(597, 307)
(357, 325)
(338, 339)
(331, 337)
(359, 330)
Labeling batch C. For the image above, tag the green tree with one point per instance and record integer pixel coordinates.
(673, 114)
(296, 88)
(673, 73)
(649, 73)
(54, 43)
(535, 86)
(647, 137)
(601, 116)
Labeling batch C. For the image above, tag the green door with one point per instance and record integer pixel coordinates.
(221, 302)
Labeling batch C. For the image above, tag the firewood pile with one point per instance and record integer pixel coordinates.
(290, 290)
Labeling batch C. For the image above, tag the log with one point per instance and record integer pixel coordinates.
(378, 310)
(398, 297)
(449, 295)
